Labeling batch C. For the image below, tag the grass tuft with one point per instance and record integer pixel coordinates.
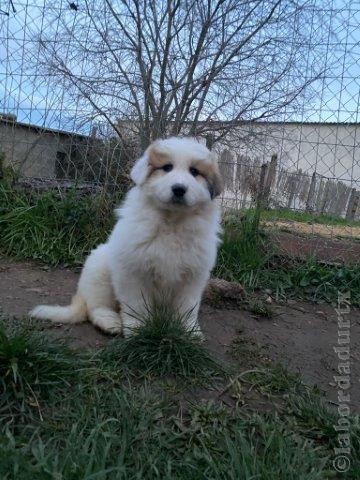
(241, 255)
(31, 370)
(315, 419)
(314, 416)
(273, 379)
(162, 345)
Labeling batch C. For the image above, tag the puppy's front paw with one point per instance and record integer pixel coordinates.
(127, 331)
(113, 329)
(199, 334)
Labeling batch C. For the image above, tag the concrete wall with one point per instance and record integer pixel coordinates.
(37, 153)
(25, 150)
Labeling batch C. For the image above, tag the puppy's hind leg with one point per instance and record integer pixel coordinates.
(106, 320)
(96, 286)
(133, 297)
(94, 299)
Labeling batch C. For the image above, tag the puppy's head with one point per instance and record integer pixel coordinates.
(178, 173)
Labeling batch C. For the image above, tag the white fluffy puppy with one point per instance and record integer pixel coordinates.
(164, 243)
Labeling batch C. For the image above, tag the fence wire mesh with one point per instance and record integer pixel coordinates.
(65, 112)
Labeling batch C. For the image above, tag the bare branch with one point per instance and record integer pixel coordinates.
(184, 66)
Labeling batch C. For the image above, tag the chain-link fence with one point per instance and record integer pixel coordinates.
(282, 111)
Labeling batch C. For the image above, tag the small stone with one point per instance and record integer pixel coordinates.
(35, 290)
(218, 288)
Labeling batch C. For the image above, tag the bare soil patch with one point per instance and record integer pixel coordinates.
(300, 336)
(328, 231)
(301, 246)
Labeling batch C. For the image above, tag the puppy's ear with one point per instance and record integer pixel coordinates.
(215, 181)
(152, 159)
(140, 170)
(157, 157)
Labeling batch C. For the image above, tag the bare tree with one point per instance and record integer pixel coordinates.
(183, 66)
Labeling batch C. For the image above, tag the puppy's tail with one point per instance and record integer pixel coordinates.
(76, 312)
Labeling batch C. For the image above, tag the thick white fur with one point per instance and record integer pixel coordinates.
(158, 249)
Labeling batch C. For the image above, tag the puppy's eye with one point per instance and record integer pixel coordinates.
(167, 168)
(194, 171)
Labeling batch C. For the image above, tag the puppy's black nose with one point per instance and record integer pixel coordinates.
(178, 190)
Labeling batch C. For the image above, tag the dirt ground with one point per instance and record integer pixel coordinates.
(300, 336)
(329, 231)
(323, 249)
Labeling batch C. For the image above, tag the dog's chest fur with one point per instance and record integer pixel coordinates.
(165, 250)
(172, 252)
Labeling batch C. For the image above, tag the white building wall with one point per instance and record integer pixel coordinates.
(331, 150)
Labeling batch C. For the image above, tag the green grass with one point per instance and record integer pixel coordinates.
(304, 409)
(98, 428)
(32, 369)
(272, 379)
(70, 415)
(51, 228)
(306, 217)
(242, 252)
(247, 256)
(312, 280)
(136, 437)
(313, 417)
(97, 422)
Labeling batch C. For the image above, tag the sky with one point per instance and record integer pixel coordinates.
(26, 92)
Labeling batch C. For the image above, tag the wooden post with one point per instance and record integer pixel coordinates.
(310, 198)
(269, 180)
(260, 194)
(293, 185)
(325, 197)
(352, 205)
(356, 205)
(210, 140)
(227, 169)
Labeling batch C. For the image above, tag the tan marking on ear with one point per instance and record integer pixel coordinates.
(157, 159)
(211, 173)
(215, 181)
